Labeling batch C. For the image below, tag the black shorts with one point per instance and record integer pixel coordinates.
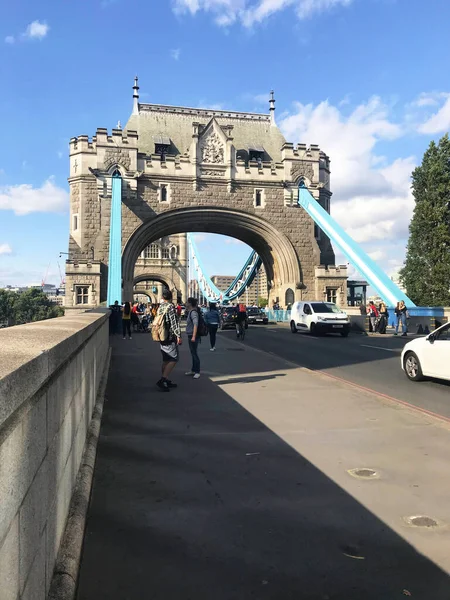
(170, 352)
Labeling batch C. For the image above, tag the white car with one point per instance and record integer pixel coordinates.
(428, 356)
(318, 317)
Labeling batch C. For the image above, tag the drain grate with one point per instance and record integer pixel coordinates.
(422, 521)
(364, 473)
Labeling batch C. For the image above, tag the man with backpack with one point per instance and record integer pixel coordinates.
(166, 330)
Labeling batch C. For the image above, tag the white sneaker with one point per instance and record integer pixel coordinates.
(212, 349)
(196, 376)
(124, 338)
(190, 373)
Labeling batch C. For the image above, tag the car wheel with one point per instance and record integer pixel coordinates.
(412, 367)
(293, 327)
(313, 329)
(345, 333)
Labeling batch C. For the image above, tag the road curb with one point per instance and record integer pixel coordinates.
(65, 575)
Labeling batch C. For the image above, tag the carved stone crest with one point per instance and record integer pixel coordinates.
(303, 168)
(116, 156)
(212, 149)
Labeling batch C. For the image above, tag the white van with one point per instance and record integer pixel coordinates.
(318, 317)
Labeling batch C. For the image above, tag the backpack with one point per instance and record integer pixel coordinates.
(160, 328)
(202, 329)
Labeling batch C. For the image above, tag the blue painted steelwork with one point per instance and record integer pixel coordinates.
(386, 288)
(115, 243)
(236, 289)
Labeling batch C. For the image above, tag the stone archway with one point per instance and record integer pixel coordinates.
(166, 282)
(275, 249)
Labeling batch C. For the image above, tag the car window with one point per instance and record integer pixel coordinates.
(443, 335)
(307, 309)
(325, 307)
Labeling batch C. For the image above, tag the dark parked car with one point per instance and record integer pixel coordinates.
(228, 317)
(257, 316)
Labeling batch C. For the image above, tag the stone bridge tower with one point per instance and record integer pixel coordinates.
(189, 169)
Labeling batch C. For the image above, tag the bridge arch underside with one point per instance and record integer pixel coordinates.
(140, 288)
(275, 249)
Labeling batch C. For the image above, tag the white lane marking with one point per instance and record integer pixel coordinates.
(380, 348)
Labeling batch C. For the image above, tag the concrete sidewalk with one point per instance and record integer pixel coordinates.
(236, 486)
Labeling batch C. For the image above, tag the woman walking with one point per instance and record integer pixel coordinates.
(212, 319)
(400, 313)
(191, 331)
(126, 320)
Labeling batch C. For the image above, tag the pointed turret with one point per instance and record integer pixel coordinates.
(272, 108)
(135, 96)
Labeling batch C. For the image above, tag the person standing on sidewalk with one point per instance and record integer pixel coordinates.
(373, 316)
(212, 319)
(126, 320)
(401, 314)
(169, 347)
(192, 331)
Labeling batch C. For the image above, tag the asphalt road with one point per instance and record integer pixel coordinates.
(369, 361)
(236, 486)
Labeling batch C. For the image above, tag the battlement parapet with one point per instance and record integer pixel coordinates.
(118, 137)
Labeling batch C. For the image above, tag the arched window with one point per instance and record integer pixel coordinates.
(289, 297)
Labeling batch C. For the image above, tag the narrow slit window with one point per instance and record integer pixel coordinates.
(75, 223)
(164, 193)
(258, 198)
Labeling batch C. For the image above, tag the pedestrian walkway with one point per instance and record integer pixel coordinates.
(236, 486)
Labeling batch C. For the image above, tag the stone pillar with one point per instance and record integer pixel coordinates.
(184, 266)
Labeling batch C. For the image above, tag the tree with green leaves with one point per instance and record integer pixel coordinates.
(426, 272)
(31, 305)
(262, 302)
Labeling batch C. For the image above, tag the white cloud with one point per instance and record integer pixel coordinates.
(175, 53)
(36, 31)
(10, 39)
(348, 140)
(5, 249)
(233, 241)
(24, 199)
(372, 199)
(200, 237)
(439, 122)
(249, 12)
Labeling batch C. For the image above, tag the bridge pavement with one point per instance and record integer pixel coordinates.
(236, 486)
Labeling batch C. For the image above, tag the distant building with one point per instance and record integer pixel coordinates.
(258, 289)
(396, 279)
(222, 282)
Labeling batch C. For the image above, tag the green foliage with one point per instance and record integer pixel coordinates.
(31, 305)
(426, 273)
(263, 302)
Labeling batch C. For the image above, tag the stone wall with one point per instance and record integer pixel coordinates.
(208, 173)
(50, 374)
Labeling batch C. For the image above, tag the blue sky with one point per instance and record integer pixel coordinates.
(365, 79)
